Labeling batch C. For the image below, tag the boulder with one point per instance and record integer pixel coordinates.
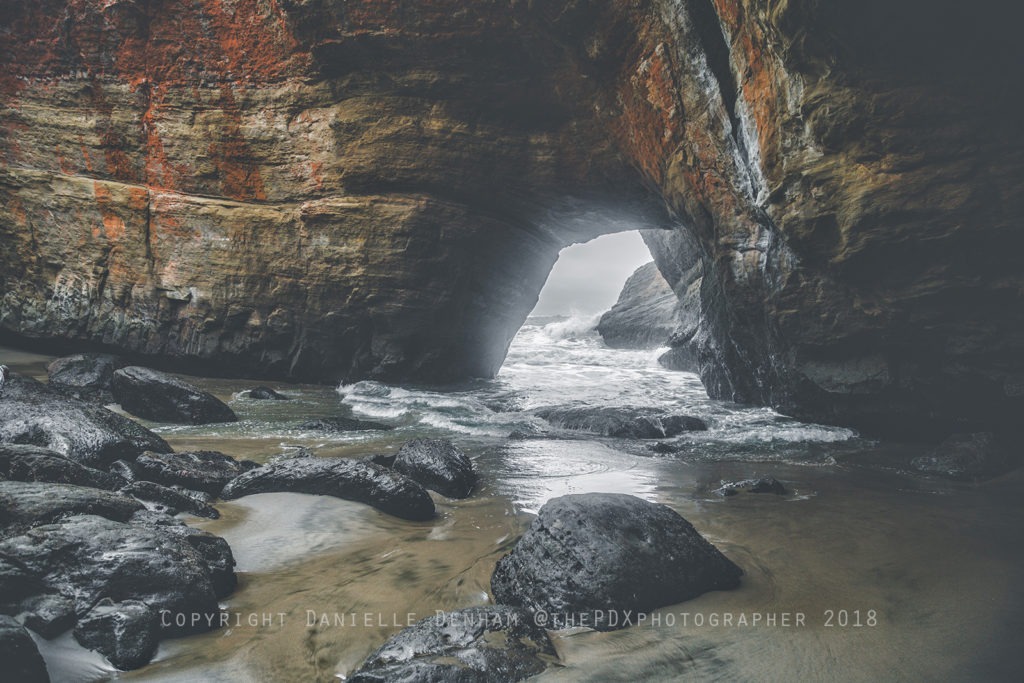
(762, 485)
(205, 471)
(437, 464)
(623, 422)
(27, 504)
(343, 424)
(358, 480)
(85, 375)
(477, 644)
(265, 394)
(967, 456)
(599, 559)
(126, 633)
(170, 500)
(215, 551)
(161, 397)
(20, 462)
(86, 558)
(32, 413)
(20, 656)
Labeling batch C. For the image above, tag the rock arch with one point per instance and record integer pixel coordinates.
(320, 189)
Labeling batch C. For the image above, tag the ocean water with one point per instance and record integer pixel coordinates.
(931, 564)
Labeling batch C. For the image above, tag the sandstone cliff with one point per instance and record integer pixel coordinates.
(317, 189)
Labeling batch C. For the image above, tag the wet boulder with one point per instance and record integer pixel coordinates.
(32, 413)
(19, 654)
(967, 456)
(478, 644)
(622, 422)
(206, 471)
(214, 550)
(343, 424)
(85, 558)
(599, 559)
(161, 397)
(20, 462)
(357, 480)
(85, 375)
(437, 464)
(169, 500)
(126, 633)
(761, 485)
(27, 504)
(265, 394)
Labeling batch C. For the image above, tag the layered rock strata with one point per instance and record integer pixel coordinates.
(320, 190)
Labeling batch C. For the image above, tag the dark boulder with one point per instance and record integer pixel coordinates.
(20, 462)
(382, 459)
(32, 413)
(27, 504)
(214, 550)
(85, 375)
(437, 464)
(357, 480)
(126, 633)
(161, 397)
(48, 614)
(599, 559)
(19, 655)
(623, 422)
(169, 500)
(762, 485)
(205, 471)
(123, 469)
(265, 394)
(343, 424)
(967, 456)
(86, 558)
(477, 644)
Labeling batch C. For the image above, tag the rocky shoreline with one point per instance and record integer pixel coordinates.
(92, 540)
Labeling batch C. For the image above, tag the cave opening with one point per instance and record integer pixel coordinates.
(587, 278)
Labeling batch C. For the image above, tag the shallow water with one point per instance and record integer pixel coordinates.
(929, 567)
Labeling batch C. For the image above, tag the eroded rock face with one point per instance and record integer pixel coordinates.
(598, 559)
(32, 463)
(293, 190)
(644, 317)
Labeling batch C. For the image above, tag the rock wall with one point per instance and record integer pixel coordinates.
(644, 317)
(318, 189)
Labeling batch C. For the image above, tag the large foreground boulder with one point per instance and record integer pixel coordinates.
(32, 413)
(358, 480)
(599, 559)
(439, 465)
(86, 558)
(622, 422)
(27, 504)
(206, 471)
(20, 462)
(473, 645)
(967, 456)
(126, 633)
(160, 397)
(85, 375)
(19, 655)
